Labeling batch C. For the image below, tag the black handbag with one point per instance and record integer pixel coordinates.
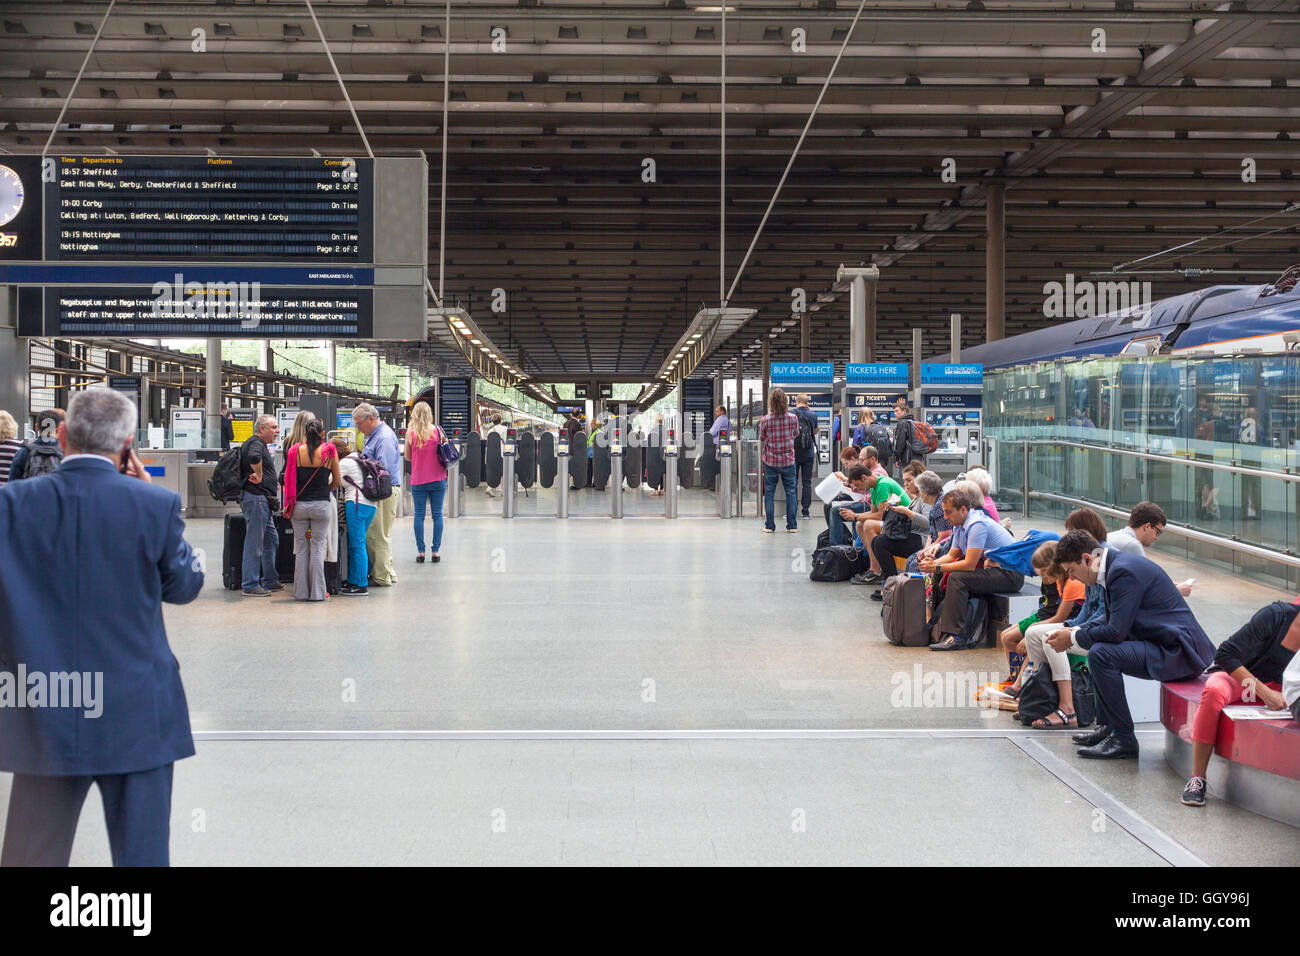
(839, 562)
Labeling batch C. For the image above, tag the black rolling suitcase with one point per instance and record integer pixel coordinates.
(232, 551)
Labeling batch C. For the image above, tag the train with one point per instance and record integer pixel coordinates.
(1218, 320)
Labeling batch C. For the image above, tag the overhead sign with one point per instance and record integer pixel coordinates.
(606, 390)
(934, 373)
(876, 373)
(580, 391)
(801, 373)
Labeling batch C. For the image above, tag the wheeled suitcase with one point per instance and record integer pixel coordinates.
(903, 611)
(232, 551)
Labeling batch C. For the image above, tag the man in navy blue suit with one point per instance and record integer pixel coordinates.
(89, 689)
(1148, 631)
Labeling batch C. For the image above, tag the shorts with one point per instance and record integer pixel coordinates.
(1027, 623)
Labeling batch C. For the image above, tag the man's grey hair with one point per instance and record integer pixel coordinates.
(929, 483)
(263, 421)
(364, 411)
(100, 421)
(973, 493)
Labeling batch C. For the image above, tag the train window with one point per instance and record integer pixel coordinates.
(1146, 345)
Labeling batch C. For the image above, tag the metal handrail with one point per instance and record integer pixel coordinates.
(1232, 544)
(1148, 456)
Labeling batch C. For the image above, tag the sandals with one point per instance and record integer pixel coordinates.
(1068, 721)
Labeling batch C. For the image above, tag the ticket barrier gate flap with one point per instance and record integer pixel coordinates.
(492, 460)
(455, 493)
(633, 455)
(725, 464)
(546, 465)
(471, 456)
(578, 459)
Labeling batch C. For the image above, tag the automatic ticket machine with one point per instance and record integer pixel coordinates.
(874, 388)
(817, 381)
(952, 398)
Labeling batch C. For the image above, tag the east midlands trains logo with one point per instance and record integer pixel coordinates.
(1083, 299)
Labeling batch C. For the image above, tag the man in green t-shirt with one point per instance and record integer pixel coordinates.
(882, 492)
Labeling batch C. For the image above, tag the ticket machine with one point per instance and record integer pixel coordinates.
(951, 398)
(873, 387)
(817, 381)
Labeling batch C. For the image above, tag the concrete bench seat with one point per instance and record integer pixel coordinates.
(1256, 763)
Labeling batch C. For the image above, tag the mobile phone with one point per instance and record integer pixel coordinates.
(894, 499)
(126, 457)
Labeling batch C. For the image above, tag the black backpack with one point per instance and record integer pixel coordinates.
(1039, 697)
(878, 436)
(804, 439)
(227, 481)
(42, 458)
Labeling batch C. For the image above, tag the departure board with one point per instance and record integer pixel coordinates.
(213, 209)
(275, 313)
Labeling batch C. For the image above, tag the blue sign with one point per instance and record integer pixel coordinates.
(802, 373)
(937, 374)
(877, 373)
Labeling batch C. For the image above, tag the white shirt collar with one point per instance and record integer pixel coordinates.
(1101, 565)
(68, 458)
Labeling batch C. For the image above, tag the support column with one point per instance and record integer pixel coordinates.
(805, 337)
(14, 373)
(858, 320)
(995, 265)
(212, 394)
(331, 362)
(916, 358)
(954, 334)
(740, 384)
(375, 377)
(766, 354)
(870, 310)
(268, 388)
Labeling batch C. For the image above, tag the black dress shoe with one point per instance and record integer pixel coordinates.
(1088, 738)
(1112, 748)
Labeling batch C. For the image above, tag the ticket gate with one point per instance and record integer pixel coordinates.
(507, 474)
(616, 475)
(725, 477)
(670, 475)
(455, 493)
(562, 472)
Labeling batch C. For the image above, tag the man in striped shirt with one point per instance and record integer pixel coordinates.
(9, 444)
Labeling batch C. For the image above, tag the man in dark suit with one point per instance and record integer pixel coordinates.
(87, 556)
(1148, 631)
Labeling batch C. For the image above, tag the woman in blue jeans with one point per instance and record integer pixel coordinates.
(776, 433)
(428, 476)
(359, 512)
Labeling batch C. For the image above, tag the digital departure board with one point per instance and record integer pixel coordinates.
(216, 246)
(215, 209)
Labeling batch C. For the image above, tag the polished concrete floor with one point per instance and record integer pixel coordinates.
(325, 731)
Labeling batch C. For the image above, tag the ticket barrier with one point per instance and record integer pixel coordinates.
(670, 475)
(726, 462)
(508, 475)
(562, 480)
(455, 493)
(616, 476)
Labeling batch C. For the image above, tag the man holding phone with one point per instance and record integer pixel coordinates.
(259, 503)
(87, 556)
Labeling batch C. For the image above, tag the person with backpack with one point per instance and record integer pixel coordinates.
(428, 476)
(42, 454)
(259, 500)
(805, 451)
(877, 436)
(382, 445)
(914, 438)
(359, 511)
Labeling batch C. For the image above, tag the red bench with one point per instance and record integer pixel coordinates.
(1259, 765)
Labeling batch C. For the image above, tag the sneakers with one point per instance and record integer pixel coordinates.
(276, 587)
(351, 590)
(950, 642)
(792, 530)
(1194, 795)
(865, 577)
(419, 559)
(769, 530)
(878, 596)
(257, 592)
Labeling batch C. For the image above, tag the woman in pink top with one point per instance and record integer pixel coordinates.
(428, 476)
(985, 482)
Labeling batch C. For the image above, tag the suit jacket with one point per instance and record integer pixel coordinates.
(1142, 604)
(87, 556)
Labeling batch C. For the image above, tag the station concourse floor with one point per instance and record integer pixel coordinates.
(641, 691)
